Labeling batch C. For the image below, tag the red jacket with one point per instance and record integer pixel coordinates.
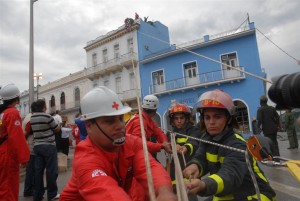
(151, 129)
(96, 175)
(13, 151)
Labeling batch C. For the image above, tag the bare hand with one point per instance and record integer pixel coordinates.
(191, 171)
(194, 186)
(181, 149)
(23, 165)
(167, 147)
(165, 193)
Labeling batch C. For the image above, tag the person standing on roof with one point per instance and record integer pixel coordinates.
(106, 163)
(150, 105)
(180, 119)
(229, 177)
(13, 146)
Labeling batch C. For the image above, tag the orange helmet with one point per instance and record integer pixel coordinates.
(215, 99)
(179, 108)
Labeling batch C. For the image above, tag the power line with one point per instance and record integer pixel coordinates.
(298, 61)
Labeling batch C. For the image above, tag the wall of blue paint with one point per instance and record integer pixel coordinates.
(248, 90)
(149, 36)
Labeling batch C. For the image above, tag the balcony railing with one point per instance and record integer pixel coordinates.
(112, 63)
(205, 79)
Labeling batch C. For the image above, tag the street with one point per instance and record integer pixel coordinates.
(286, 186)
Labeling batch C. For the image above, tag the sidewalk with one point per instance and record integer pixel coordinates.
(62, 179)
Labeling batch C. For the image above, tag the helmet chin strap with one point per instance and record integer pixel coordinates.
(116, 142)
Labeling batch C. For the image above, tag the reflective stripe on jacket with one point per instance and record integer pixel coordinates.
(229, 175)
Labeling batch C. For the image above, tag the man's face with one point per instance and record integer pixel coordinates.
(179, 120)
(150, 113)
(113, 126)
(215, 121)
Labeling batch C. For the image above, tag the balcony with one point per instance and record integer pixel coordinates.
(201, 80)
(112, 65)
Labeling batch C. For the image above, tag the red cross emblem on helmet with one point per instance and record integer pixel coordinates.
(115, 105)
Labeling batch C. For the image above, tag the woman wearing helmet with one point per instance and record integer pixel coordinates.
(229, 177)
(180, 119)
(13, 147)
(107, 166)
(156, 139)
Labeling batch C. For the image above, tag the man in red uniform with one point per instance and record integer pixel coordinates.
(152, 131)
(107, 164)
(13, 147)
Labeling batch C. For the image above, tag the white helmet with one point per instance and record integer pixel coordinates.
(101, 101)
(150, 102)
(9, 92)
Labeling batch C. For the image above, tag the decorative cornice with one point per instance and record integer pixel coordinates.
(114, 36)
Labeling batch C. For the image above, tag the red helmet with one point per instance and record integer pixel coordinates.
(179, 108)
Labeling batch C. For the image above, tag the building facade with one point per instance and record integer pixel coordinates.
(183, 73)
(112, 61)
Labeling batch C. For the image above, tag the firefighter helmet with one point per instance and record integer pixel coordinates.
(179, 108)
(215, 99)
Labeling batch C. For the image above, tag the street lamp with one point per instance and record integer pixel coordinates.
(31, 63)
(37, 77)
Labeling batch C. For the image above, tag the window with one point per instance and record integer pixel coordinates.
(77, 97)
(130, 45)
(106, 83)
(62, 101)
(132, 80)
(229, 59)
(94, 58)
(105, 57)
(190, 70)
(158, 77)
(118, 85)
(116, 51)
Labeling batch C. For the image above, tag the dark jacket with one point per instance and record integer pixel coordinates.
(229, 175)
(191, 145)
(267, 119)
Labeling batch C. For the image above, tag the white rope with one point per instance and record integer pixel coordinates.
(249, 166)
(144, 140)
(180, 186)
(208, 58)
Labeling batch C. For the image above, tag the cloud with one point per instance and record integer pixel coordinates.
(62, 29)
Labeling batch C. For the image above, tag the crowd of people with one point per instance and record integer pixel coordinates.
(109, 159)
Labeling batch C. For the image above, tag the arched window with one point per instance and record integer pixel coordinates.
(52, 104)
(242, 116)
(77, 97)
(62, 101)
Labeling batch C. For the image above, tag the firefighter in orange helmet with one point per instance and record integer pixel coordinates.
(229, 177)
(180, 119)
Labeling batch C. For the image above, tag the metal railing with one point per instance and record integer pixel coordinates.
(199, 80)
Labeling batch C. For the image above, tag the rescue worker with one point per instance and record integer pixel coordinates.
(13, 147)
(152, 131)
(180, 119)
(229, 177)
(107, 163)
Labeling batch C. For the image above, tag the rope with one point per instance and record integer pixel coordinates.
(180, 186)
(208, 142)
(249, 166)
(144, 140)
(208, 58)
(252, 176)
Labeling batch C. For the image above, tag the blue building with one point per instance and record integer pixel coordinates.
(182, 73)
